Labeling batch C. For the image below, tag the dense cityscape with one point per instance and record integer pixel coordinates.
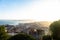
(36, 29)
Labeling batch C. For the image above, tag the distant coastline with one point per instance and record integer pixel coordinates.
(16, 22)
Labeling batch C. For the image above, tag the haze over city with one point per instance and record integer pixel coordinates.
(39, 10)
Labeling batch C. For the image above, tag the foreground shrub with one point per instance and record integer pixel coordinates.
(21, 36)
(55, 30)
(3, 34)
(47, 37)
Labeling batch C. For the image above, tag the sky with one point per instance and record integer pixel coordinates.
(39, 10)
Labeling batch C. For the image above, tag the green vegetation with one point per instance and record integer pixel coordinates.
(47, 37)
(21, 36)
(55, 30)
(3, 34)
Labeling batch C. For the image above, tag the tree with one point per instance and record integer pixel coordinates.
(3, 34)
(22, 36)
(55, 30)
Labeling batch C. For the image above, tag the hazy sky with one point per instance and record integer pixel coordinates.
(30, 9)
